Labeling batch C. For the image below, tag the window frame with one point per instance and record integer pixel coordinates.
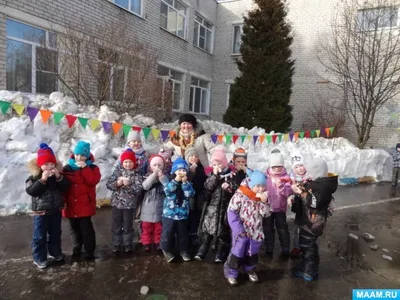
(197, 42)
(34, 46)
(140, 14)
(169, 79)
(362, 26)
(233, 38)
(198, 86)
(185, 16)
(228, 95)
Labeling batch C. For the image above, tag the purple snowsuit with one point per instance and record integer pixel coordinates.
(245, 219)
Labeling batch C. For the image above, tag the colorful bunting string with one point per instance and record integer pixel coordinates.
(19, 108)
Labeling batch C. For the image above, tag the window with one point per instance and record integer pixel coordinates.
(32, 62)
(134, 6)
(173, 80)
(202, 36)
(377, 18)
(173, 17)
(237, 38)
(199, 95)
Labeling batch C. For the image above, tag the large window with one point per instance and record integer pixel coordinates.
(173, 17)
(174, 81)
(134, 6)
(32, 62)
(237, 38)
(377, 18)
(199, 96)
(203, 32)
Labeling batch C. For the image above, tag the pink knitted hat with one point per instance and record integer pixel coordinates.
(219, 154)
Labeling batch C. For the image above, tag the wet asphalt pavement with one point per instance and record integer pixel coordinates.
(121, 276)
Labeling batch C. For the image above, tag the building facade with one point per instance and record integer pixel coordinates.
(198, 42)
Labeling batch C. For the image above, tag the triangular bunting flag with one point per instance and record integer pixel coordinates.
(58, 117)
(301, 134)
(255, 138)
(116, 127)
(136, 128)
(242, 137)
(214, 138)
(296, 136)
(286, 137)
(322, 132)
(327, 130)
(261, 139)
(280, 137)
(249, 137)
(106, 126)
(146, 132)
(331, 130)
(4, 106)
(291, 135)
(269, 138)
(274, 136)
(220, 138)
(235, 138)
(46, 114)
(312, 133)
(164, 135)
(172, 133)
(19, 108)
(307, 134)
(318, 132)
(126, 129)
(228, 138)
(32, 112)
(156, 134)
(94, 124)
(83, 122)
(71, 120)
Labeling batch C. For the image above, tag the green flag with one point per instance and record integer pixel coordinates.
(146, 132)
(269, 138)
(228, 139)
(242, 138)
(312, 133)
(83, 122)
(301, 134)
(4, 106)
(58, 117)
(331, 130)
(126, 129)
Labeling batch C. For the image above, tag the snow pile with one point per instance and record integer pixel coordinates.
(19, 140)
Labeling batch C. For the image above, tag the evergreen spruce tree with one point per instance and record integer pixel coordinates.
(260, 95)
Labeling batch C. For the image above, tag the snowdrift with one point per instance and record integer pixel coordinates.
(20, 138)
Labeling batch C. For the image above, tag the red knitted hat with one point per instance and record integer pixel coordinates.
(45, 155)
(128, 154)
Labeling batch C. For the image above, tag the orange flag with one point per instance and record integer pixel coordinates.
(46, 114)
(296, 136)
(327, 130)
(261, 139)
(116, 127)
(171, 133)
(220, 138)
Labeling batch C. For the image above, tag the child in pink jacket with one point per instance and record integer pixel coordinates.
(279, 189)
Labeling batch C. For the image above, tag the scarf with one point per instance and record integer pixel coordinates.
(73, 165)
(139, 151)
(248, 193)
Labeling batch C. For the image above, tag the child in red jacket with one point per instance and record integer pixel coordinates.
(80, 199)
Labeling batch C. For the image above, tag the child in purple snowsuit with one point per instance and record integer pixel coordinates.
(279, 189)
(246, 211)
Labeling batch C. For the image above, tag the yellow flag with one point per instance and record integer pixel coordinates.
(94, 124)
(19, 108)
(286, 137)
(318, 132)
(156, 133)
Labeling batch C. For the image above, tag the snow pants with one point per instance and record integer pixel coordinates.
(82, 233)
(151, 233)
(309, 263)
(122, 226)
(278, 220)
(170, 228)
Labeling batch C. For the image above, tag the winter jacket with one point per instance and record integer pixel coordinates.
(312, 206)
(47, 196)
(202, 144)
(246, 213)
(278, 194)
(238, 179)
(396, 158)
(125, 197)
(153, 200)
(197, 179)
(213, 221)
(175, 208)
(80, 198)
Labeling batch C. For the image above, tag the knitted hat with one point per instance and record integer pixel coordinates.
(256, 177)
(188, 118)
(219, 154)
(45, 155)
(179, 163)
(133, 136)
(165, 153)
(397, 145)
(156, 159)
(128, 154)
(189, 152)
(82, 148)
(276, 158)
(317, 168)
(239, 152)
(297, 159)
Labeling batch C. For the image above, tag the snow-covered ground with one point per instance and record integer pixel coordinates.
(20, 138)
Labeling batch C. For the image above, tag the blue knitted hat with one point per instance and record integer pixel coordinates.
(256, 177)
(82, 148)
(179, 163)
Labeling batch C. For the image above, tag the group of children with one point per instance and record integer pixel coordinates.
(225, 205)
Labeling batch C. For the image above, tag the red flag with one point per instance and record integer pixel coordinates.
(136, 128)
(71, 120)
(307, 134)
(274, 137)
(235, 138)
